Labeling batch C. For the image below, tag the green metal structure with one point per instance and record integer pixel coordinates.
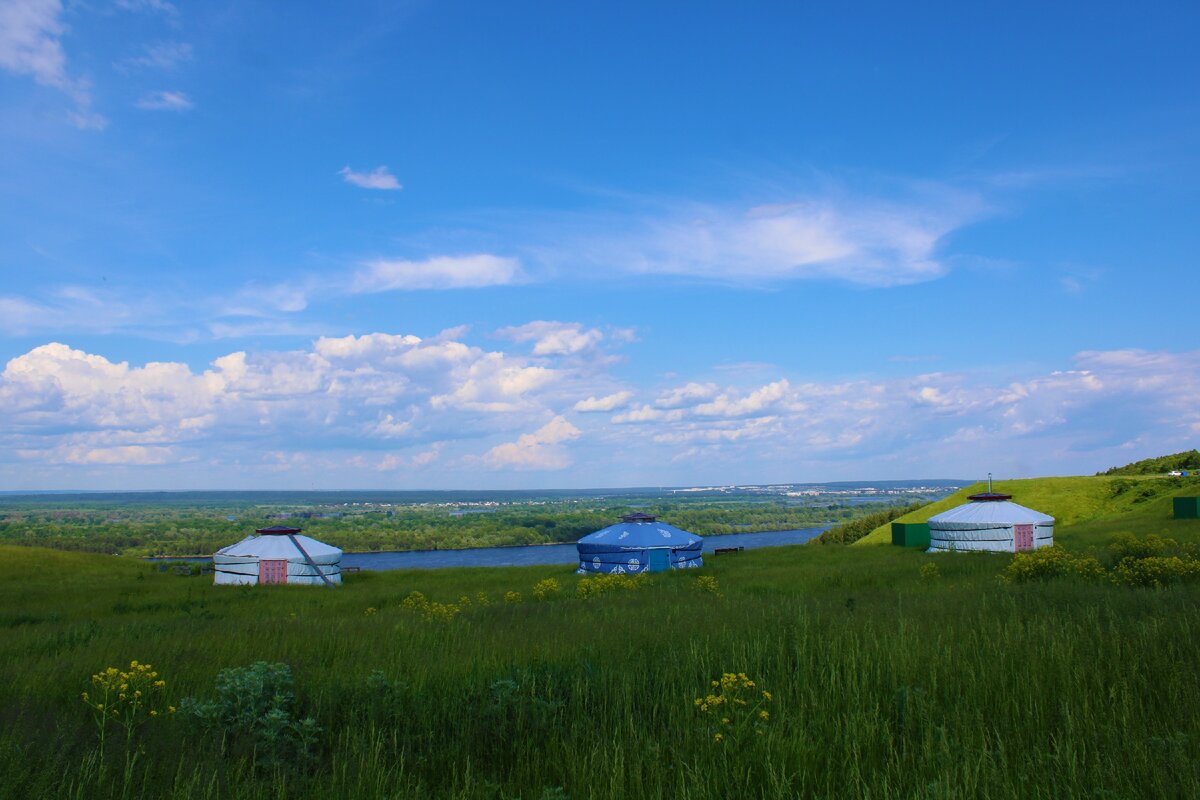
(1187, 508)
(910, 534)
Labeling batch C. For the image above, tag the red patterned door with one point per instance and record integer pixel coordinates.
(272, 571)
(1024, 537)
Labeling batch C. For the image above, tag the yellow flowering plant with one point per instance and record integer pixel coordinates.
(547, 589)
(129, 698)
(735, 708)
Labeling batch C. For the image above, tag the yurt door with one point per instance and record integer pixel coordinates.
(1024, 536)
(272, 571)
(658, 560)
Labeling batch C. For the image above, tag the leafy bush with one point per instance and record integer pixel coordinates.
(1153, 571)
(1126, 545)
(1188, 460)
(1050, 562)
(254, 712)
(852, 531)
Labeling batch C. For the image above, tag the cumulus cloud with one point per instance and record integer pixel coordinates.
(165, 101)
(1110, 399)
(79, 407)
(553, 338)
(440, 272)
(609, 402)
(403, 402)
(686, 395)
(540, 450)
(378, 178)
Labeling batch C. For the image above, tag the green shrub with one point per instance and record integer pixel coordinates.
(1126, 545)
(1153, 571)
(1050, 562)
(254, 713)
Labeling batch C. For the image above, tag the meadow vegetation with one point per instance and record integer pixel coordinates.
(861, 672)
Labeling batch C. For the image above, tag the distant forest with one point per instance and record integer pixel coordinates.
(1188, 460)
(179, 528)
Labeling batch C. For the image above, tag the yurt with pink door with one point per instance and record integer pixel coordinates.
(278, 555)
(991, 521)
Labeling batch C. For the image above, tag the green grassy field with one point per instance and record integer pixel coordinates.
(887, 681)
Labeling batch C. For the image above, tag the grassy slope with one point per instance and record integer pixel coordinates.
(887, 684)
(1071, 501)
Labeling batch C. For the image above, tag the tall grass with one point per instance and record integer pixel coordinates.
(885, 685)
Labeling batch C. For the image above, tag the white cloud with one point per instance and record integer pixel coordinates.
(553, 338)
(154, 6)
(163, 55)
(835, 236)
(431, 402)
(440, 272)
(31, 44)
(539, 450)
(686, 395)
(609, 402)
(165, 101)
(378, 178)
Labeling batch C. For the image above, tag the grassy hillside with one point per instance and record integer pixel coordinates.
(1070, 501)
(1187, 460)
(892, 674)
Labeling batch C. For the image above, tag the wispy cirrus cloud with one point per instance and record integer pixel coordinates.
(856, 240)
(31, 44)
(440, 272)
(161, 55)
(165, 101)
(379, 178)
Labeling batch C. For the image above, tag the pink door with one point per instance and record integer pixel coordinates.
(274, 571)
(1024, 536)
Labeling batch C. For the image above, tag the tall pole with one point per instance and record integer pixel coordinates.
(989, 483)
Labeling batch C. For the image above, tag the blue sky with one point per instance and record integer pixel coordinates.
(455, 245)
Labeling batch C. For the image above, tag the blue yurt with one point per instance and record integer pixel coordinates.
(639, 543)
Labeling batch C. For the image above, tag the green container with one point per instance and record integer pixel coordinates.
(910, 534)
(1187, 508)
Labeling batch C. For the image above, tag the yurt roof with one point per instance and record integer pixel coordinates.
(988, 514)
(279, 547)
(638, 536)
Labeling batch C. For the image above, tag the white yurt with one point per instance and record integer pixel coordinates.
(991, 521)
(278, 555)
